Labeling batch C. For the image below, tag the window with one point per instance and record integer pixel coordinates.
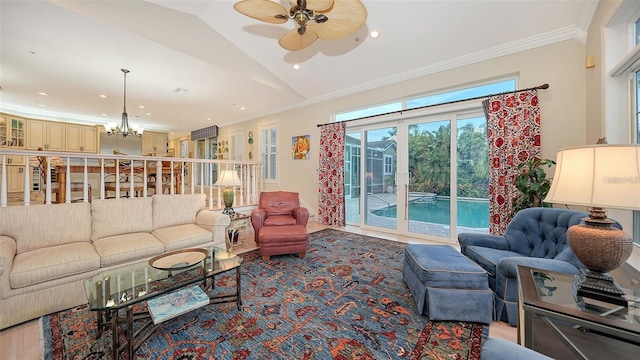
(268, 152)
(371, 111)
(388, 165)
(431, 99)
(467, 93)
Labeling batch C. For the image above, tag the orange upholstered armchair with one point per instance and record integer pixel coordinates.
(277, 208)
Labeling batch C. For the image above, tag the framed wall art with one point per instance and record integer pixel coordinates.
(301, 147)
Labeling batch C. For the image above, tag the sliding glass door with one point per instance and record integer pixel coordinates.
(428, 194)
(426, 176)
(380, 149)
(352, 177)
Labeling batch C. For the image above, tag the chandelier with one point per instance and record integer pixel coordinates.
(124, 129)
(324, 19)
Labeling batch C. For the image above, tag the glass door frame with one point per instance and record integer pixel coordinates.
(456, 111)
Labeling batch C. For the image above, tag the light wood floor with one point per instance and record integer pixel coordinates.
(22, 342)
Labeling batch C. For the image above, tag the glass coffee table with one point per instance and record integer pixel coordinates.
(119, 296)
(557, 322)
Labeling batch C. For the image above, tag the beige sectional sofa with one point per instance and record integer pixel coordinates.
(47, 251)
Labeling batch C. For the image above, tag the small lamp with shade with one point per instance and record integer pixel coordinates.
(229, 179)
(599, 177)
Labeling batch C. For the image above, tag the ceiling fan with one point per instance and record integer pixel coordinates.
(325, 19)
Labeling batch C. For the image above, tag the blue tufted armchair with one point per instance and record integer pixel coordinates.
(535, 237)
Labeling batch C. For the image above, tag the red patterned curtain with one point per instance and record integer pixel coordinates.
(513, 124)
(331, 175)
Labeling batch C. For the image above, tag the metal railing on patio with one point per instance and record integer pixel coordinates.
(116, 176)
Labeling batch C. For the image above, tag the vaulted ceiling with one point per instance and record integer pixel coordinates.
(198, 63)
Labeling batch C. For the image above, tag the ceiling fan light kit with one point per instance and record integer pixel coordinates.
(324, 19)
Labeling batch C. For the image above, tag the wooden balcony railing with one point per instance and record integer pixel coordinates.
(75, 175)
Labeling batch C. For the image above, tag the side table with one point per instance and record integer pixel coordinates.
(555, 321)
(240, 223)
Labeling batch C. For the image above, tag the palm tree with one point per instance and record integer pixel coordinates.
(472, 167)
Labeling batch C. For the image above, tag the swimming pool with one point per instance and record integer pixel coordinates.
(470, 213)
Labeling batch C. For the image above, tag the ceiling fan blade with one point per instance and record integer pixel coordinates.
(316, 5)
(292, 40)
(345, 18)
(263, 10)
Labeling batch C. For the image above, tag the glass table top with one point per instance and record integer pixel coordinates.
(557, 292)
(119, 287)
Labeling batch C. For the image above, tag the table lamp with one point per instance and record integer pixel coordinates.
(229, 179)
(599, 177)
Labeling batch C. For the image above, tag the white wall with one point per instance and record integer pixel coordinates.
(561, 65)
(609, 112)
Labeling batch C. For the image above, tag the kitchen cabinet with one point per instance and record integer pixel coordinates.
(81, 138)
(154, 144)
(12, 136)
(45, 134)
(15, 177)
(12, 132)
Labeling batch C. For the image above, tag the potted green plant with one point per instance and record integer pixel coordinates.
(533, 184)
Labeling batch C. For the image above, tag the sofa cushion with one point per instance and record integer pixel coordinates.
(120, 216)
(170, 210)
(53, 262)
(489, 258)
(119, 249)
(39, 226)
(183, 236)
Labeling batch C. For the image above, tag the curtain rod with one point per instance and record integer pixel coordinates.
(543, 86)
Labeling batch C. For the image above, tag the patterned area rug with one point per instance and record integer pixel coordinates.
(345, 300)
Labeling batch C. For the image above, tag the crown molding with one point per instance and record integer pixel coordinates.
(548, 38)
(562, 34)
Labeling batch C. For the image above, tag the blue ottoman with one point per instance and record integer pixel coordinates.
(446, 285)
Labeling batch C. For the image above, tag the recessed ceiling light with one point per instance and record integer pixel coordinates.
(43, 93)
(296, 66)
(42, 105)
(140, 106)
(102, 96)
(242, 108)
(208, 119)
(374, 34)
(148, 114)
(103, 114)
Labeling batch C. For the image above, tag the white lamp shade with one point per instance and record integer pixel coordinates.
(605, 176)
(228, 178)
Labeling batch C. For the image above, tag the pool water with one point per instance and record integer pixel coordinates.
(471, 214)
